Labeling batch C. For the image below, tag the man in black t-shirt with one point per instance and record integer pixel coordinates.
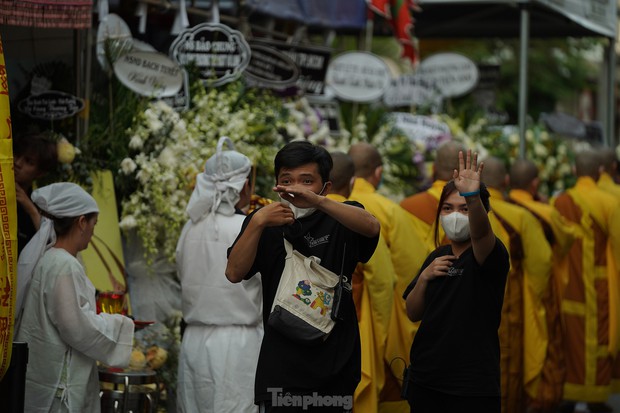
(294, 377)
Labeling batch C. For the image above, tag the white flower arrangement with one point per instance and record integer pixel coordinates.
(552, 155)
(168, 149)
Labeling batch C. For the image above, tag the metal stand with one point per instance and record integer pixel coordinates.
(129, 393)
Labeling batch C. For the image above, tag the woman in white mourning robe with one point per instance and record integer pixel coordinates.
(56, 308)
(220, 346)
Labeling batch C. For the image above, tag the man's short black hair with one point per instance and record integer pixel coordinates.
(298, 153)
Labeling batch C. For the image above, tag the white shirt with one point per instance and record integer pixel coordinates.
(220, 346)
(208, 297)
(64, 331)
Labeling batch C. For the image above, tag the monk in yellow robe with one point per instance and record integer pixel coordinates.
(523, 330)
(423, 205)
(544, 393)
(607, 182)
(607, 179)
(589, 282)
(373, 284)
(405, 239)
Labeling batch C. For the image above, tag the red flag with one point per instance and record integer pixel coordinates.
(398, 13)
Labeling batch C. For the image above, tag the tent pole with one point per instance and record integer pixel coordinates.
(523, 58)
(610, 138)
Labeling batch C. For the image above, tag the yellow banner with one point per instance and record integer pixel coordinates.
(8, 217)
(103, 259)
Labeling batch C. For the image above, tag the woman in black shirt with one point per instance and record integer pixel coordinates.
(458, 296)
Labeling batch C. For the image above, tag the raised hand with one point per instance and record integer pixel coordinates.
(467, 178)
(274, 214)
(298, 195)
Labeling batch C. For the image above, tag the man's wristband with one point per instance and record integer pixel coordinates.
(472, 193)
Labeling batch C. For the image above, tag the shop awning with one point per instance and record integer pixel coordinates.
(501, 18)
(56, 14)
(525, 19)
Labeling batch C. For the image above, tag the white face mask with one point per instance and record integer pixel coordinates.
(300, 212)
(456, 226)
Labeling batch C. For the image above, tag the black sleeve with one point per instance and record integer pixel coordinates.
(498, 261)
(367, 245)
(255, 266)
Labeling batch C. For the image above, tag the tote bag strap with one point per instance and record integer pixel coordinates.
(319, 275)
(289, 248)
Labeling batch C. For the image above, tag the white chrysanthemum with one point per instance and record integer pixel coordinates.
(513, 139)
(179, 130)
(136, 142)
(128, 222)
(529, 135)
(551, 163)
(562, 150)
(313, 120)
(167, 158)
(540, 150)
(128, 166)
(297, 116)
(155, 125)
(320, 135)
(143, 176)
(564, 169)
(294, 131)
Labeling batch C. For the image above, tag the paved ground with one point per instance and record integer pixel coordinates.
(614, 401)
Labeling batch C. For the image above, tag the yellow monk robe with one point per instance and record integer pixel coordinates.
(8, 213)
(373, 283)
(588, 287)
(545, 392)
(424, 205)
(405, 239)
(523, 329)
(607, 184)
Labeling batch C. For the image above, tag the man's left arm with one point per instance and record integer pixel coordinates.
(354, 218)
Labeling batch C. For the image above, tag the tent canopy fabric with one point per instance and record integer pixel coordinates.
(501, 18)
(329, 14)
(459, 18)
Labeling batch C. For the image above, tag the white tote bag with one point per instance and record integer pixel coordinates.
(303, 303)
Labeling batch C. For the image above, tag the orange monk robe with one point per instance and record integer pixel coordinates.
(405, 239)
(545, 393)
(373, 283)
(588, 287)
(523, 329)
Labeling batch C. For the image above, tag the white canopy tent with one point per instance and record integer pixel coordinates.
(525, 18)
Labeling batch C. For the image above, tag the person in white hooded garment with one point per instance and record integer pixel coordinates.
(220, 345)
(56, 308)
